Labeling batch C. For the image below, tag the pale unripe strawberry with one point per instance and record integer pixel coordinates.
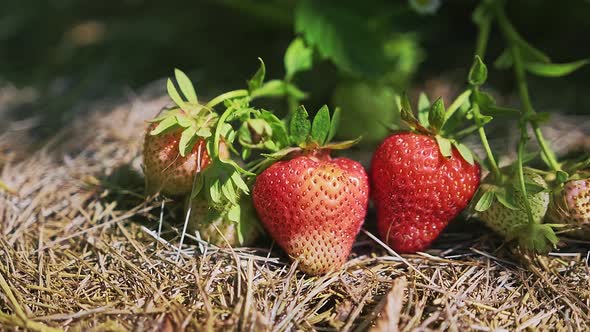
(220, 230)
(571, 206)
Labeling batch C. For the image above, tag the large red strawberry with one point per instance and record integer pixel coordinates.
(311, 204)
(420, 181)
(417, 190)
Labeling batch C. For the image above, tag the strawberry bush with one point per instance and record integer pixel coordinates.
(242, 168)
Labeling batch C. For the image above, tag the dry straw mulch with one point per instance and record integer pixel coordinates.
(79, 250)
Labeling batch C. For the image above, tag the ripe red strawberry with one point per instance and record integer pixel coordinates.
(166, 171)
(313, 206)
(418, 191)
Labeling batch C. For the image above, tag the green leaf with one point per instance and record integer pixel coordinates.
(321, 125)
(187, 141)
(186, 86)
(423, 109)
(344, 34)
(294, 91)
(436, 116)
(444, 145)
(167, 123)
(173, 93)
(554, 69)
(298, 58)
(215, 191)
(485, 201)
(299, 126)
(478, 73)
(334, 124)
(465, 152)
(256, 81)
(531, 53)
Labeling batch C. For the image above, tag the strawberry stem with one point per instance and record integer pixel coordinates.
(520, 170)
(511, 37)
(228, 95)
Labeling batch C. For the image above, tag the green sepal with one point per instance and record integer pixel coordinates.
(234, 215)
(506, 198)
(298, 58)
(423, 109)
(299, 126)
(321, 125)
(539, 238)
(256, 81)
(465, 152)
(184, 120)
(334, 124)
(165, 114)
(554, 69)
(436, 116)
(485, 201)
(174, 95)
(186, 86)
(478, 74)
(205, 132)
(198, 184)
(342, 145)
(444, 145)
(187, 141)
(561, 176)
(164, 125)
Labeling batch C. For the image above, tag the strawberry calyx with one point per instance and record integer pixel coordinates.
(436, 121)
(301, 136)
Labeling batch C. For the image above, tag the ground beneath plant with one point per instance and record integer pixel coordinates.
(80, 249)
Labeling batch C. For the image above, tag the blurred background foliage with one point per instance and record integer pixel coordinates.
(364, 51)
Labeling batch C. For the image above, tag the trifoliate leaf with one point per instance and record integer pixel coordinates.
(167, 123)
(334, 124)
(436, 116)
(173, 93)
(465, 152)
(187, 141)
(321, 125)
(485, 201)
(298, 58)
(186, 86)
(299, 126)
(554, 69)
(444, 145)
(343, 34)
(184, 120)
(478, 73)
(423, 109)
(256, 81)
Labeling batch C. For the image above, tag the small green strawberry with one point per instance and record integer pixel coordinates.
(570, 205)
(233, 228)
(503, 209)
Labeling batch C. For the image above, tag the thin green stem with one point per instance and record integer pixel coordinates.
(228, 95)
(527, 108)
(483, 37)
(521, 181)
